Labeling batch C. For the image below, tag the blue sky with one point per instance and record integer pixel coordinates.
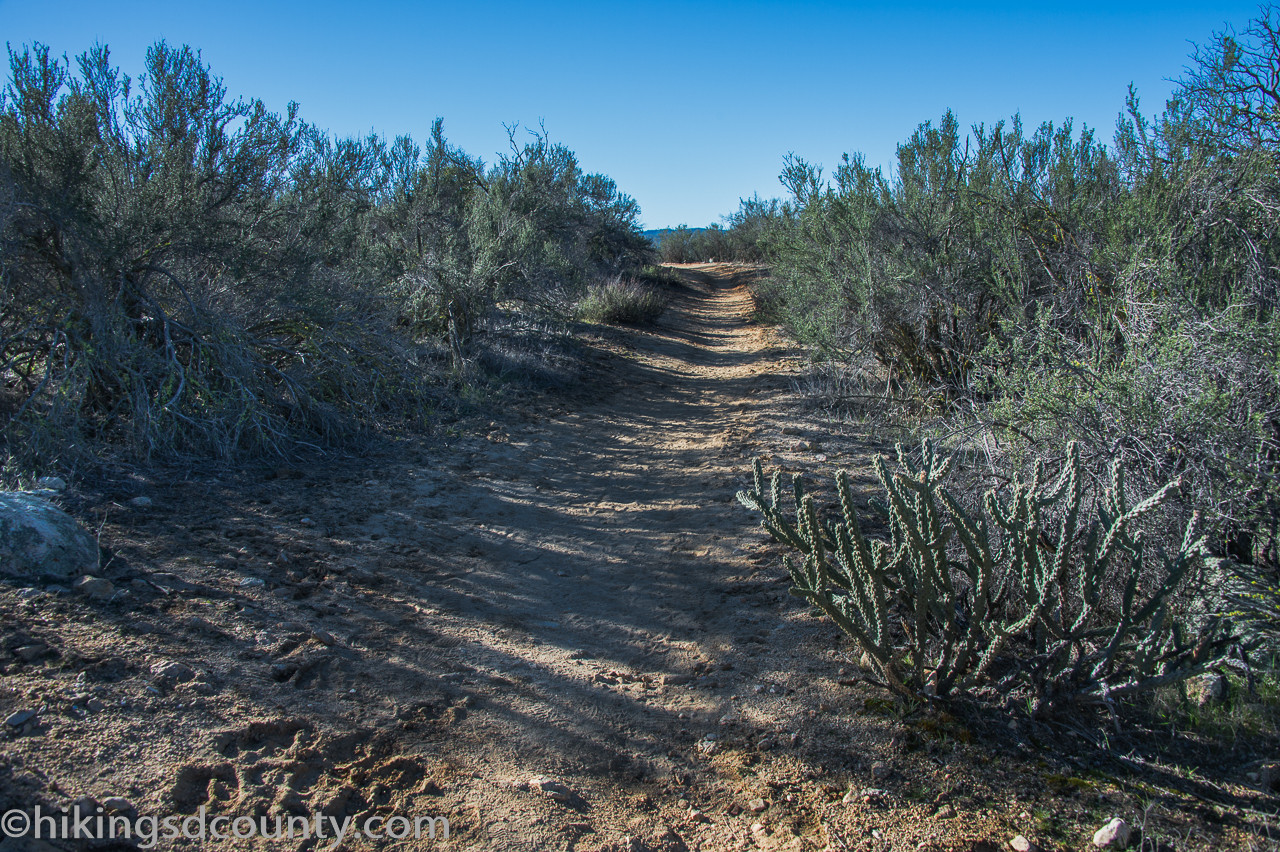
(688, 106)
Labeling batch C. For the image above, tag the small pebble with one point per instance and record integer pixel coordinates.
(551, 788)
(97, 588)
(117, 804)
(22, 717)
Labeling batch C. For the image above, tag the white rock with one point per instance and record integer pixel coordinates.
(1114, 834)
(140, 502)
(38, 538)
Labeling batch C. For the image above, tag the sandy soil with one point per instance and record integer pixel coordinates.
(553, 626)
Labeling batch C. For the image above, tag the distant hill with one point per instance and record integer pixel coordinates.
(657, 234)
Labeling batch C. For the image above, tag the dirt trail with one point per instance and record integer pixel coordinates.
(600, 579)
(569, 595)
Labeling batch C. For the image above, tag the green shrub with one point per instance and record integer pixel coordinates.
(619, 301)
(189, 275)
(1032, 597)
(1026, 288)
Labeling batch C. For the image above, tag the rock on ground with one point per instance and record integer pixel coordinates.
(1113, 835)
(38, 538)
(1210, 688)
(95, 587)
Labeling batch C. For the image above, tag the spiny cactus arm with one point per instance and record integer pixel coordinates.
(905, 536)
(941, 470)
(930, 580)
(964, 670)
(902, 508)
(998, 513)
(847, 564)
(1153, 502)
(1115, 495)
(1123, 627)
(840, 570)
(989, 656)
(866, 579)
(1149, 654)
(889, 561)
(1040, 596)
(871, 612)
(934, 466)
(1175, 569)
(1023, 543)
(904, 460)
(774, 522)
(866, 628)
(1116, 517)
(1091, 579)
(1071, 467)
(848, 511)
(938, 681)
(1188, 668)
(803, 574)
(972, 534)
(880, 653)
(757, 478)
(810, 529)
(861, 551)
(1013, 521)
(930, 540)
(797, 490)
(1071, 485)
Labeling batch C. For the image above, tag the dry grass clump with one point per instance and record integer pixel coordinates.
(621, 301)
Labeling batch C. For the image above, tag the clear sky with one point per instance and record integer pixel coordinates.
(689, 106)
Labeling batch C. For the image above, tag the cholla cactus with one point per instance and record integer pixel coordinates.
(995, 598)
